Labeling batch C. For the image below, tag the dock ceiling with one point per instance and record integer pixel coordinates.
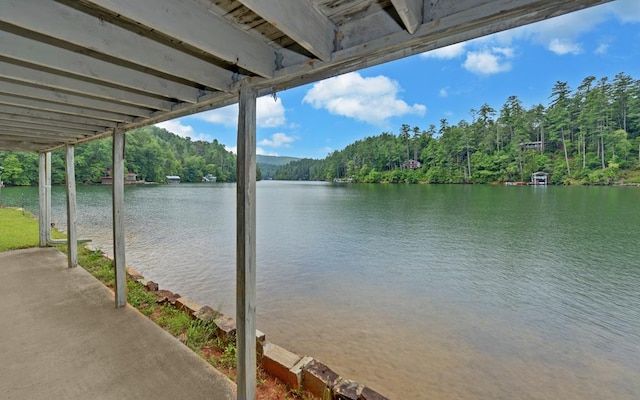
(73, 71)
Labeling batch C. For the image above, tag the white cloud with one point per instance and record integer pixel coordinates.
(489, 61)
(602, 49)
(372, 100)
(270, 113)
(563, 46)
(444, 92)
(175, 126)
(447, 52)
(278, 140)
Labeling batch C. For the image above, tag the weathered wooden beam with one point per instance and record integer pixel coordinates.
(57, 96)
(117, 189)
(233, 45)
(8, 134)
(59, 21)
(410, 12)
(246, 245)
(43, 127)
(42, 200)
(61, 82)
(301, 21)
(72, 229)
(59, 119)
(62, 108)
(47, 194)
(66, 61)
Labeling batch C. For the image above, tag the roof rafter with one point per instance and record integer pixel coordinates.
(55, 81)
(56, 96)
(53, 19)
(410, 11)
(57, 118)
(44, 127)
(62, 108)
(34, 52)
(301, 21)
(244, 50)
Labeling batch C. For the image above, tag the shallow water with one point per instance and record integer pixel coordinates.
(421, 292)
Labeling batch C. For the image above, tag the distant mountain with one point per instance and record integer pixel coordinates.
(269, 164)
(275, 160)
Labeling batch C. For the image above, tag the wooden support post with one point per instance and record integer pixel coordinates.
(246, 245)
(47, 194)
(42, 199)
(72, 230)
(118, 217)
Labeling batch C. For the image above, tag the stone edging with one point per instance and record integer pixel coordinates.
(299, 373)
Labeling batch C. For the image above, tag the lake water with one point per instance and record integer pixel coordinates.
(422, 291)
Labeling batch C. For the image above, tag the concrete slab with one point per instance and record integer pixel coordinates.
(62, 338)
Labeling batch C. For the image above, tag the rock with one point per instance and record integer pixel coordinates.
(317, 378)
(368, 394)
(206, 314)
(225, 327)
(182, 338)
(162, 296)
(135, 275)
(188, 305)
(278, 362)
(297, 371)
(152, 286)
(346, 390)
(173, 299)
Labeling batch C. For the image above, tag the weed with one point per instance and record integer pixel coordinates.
(199, 334)
(173, 320)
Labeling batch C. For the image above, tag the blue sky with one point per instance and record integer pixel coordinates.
(316, 119)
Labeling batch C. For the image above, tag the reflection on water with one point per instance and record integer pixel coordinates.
(434, 292)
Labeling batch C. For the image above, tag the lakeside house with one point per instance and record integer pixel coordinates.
(131, 178)
(411, 164)
(173, 179)
(540, 178)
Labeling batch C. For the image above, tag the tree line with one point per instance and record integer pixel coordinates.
(590, 135)
(151, 152)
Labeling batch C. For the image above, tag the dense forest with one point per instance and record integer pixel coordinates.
(590, 135)
(151, 152)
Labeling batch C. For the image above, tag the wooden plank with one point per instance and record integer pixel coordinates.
(410, 12)
(240, 49)
(72, 229)
(56, 81)
(57, 96)
(117, 189)
(71, 132)
(54, 19)
(35, 137)
(59, 118)
(62, 108)
(246, 245)
(31, 51)
(42, 200)
(299, 20)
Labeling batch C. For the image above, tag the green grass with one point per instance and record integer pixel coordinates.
(18, 229)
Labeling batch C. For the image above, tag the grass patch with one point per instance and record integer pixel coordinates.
(19, 230)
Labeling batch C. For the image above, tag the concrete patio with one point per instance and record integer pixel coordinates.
(62, 338)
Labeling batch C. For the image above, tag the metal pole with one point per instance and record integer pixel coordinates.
(72, 231)
(118, 217)
(246, 245)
